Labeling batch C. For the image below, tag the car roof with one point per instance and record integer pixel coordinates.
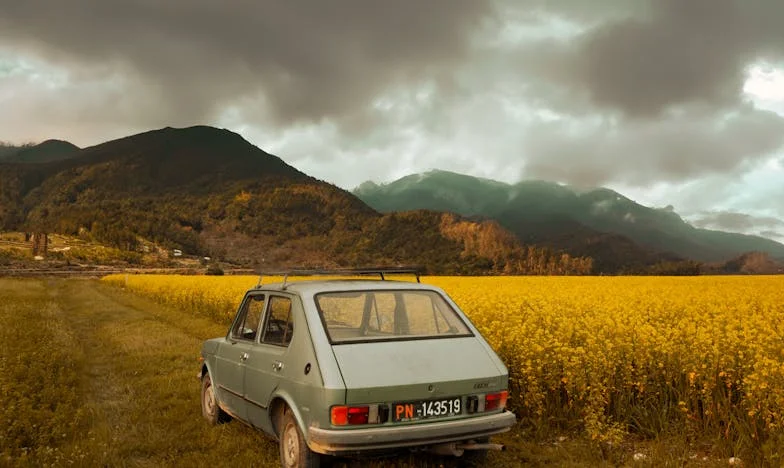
(312, 287)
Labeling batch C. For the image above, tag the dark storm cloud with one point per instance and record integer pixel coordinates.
(688, 51)
(310, 60)
(667, 54)
(300, 60)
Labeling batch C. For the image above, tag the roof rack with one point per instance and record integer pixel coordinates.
(380, 271)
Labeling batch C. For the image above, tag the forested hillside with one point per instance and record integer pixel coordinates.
(210, 192)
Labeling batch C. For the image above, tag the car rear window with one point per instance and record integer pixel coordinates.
(357, 316)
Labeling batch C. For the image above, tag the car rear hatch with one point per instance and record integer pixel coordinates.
(417, 370)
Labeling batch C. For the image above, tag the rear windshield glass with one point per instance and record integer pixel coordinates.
(355, 316)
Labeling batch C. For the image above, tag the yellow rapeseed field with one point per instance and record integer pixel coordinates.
(607, 356)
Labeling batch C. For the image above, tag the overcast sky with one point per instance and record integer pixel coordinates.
(670, 102)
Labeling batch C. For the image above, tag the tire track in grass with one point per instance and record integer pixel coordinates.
(40, 363)
(140, 387)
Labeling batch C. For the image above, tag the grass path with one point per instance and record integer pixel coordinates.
(91, 375)
(142, 388)
(135, 365)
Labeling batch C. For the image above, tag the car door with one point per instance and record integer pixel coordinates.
(266, 365)
(234, 353)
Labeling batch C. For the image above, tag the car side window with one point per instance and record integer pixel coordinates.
(279, 326)
(247, 325)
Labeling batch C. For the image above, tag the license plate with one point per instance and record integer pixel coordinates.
(414, 410)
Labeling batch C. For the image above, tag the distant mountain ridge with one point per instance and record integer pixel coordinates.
(47, 151)
(210, 192)
(547, 213)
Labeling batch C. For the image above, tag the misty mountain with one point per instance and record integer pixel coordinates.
(210, 192)
(598, 221)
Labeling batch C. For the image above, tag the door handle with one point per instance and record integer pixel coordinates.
(244, 356)
(277, 366)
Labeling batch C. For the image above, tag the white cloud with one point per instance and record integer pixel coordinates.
(764, 87)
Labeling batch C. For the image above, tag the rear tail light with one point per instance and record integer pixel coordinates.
(354, 415)
(494, 401)
(358, 414)
(338, 415)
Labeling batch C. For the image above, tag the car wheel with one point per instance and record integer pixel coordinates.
(209, 403)
(294, 451)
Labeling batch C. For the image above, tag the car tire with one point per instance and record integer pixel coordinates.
(294, 451)
(210, 409)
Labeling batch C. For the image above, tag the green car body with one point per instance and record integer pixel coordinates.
(360, 366)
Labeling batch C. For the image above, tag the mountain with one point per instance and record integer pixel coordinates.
(601, 223)
(7, 150)
(47, 151)
(208, 191)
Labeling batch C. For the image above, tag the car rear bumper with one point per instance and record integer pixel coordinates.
(334, 442)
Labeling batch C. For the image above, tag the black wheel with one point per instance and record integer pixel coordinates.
(209, 404)
(294, 451)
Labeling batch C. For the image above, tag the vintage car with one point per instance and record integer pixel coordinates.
(356, 366)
